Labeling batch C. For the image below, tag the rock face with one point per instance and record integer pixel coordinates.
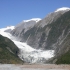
(24, 26)
(52, 32)
(43, 34)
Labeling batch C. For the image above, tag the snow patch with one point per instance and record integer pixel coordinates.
(33, 19)
(62, 9)
(9, 27)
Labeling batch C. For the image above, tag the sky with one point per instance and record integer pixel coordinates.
(13, 12)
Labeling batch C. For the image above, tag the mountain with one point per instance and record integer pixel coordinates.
(43, 40)
(26, 52)
(50, 33)
(24, 26)
(8, 51)
(38, 36)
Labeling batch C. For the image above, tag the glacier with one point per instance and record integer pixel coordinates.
(27, 53)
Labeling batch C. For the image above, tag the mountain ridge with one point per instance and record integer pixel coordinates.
(50, 33)
(40, 26)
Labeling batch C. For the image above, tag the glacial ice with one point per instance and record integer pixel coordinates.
(27, 53)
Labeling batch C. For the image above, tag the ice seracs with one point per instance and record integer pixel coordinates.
(62, 9)
(33, 19)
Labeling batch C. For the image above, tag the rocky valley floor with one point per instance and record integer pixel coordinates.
(34, 67)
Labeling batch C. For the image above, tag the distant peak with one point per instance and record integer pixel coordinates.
(62, 9)
(33, 19)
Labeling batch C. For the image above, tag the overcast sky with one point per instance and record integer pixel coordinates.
(13, 12)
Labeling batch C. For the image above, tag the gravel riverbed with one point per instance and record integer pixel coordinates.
(34, 67)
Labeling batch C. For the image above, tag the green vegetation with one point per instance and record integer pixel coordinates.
(64, 59)
(8, 51)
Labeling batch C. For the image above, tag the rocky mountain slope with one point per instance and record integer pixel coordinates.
(24, 26)
(52, 32)
(45, 33)
(8, 51)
